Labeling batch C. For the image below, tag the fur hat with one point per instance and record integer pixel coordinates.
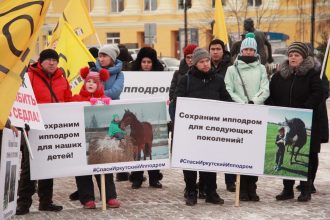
(300, 48)
(198, 54)
(152, 55)
(111, 50)
(147, 52)
(189, 49)
(48, 54)
(249, 42)
(98, 77)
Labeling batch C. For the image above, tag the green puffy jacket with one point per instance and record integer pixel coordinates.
(255, 80)
(114, 127)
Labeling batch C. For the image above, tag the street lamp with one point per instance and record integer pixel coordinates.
(185, 4)
(312, 23)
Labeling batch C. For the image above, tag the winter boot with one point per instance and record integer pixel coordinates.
(252, 191)
(191, 199)
(285, 194)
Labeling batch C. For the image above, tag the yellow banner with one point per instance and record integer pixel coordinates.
(20, 23)
(327, 67)
(219, 27)
(77, 16)
(73, 56)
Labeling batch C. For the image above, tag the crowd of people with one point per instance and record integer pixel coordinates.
(205, 74)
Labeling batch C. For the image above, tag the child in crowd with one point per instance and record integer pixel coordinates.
(114, 130)
(93, 88)
(280, 149)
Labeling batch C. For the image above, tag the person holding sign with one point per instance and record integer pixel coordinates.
(147, 61)
(298, 85)
(185, 65)
(246, 81)
(93, 89)
(113, 87)
(220, 61)
(107, 59)
(201, 82)
(49, 86)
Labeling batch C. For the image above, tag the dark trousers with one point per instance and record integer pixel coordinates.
(230, 179)
(154, 176)
(86, 187)
(248, 183)
(208, 178)
(312, 169)
(279, 154)
(27, 187)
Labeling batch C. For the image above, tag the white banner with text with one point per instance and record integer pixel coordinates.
(243, 139)
(146, 84)
(81, 139)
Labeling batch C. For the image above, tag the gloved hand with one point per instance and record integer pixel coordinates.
(270, 59)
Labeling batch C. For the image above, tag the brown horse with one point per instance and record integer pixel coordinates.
(141, 132)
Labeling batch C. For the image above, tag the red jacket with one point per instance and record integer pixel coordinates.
(57, 81)
(84, 95)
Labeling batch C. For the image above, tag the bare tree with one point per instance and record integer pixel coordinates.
(266, 13)
(323, 17)
(239, 10)
(301, 22)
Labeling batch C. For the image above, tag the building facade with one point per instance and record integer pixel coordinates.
(160, 23)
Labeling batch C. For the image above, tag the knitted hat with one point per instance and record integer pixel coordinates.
(298, 47)
(48, 54)
(198, 54)
(249, 42)
(111, 50)
(103, 75)
(189, 49)
(114, 116)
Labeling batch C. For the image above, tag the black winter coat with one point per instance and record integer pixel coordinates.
(178, 74)
(202, 85)
(221, 69)
(300, 88)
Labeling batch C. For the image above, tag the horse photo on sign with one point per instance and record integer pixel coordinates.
(122, 133)
(288, 143)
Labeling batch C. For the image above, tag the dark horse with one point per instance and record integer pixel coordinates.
(296, 137)
(141, 132)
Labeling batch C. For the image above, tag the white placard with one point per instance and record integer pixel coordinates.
(76, 140)
(146, 84)
(25, 109)
(9, 173)
(235, 138)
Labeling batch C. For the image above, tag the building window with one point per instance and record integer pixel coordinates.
(254, 3)
(222, 1)
(150, 5)
(181, 4)
(113, 38)
(117, 6)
